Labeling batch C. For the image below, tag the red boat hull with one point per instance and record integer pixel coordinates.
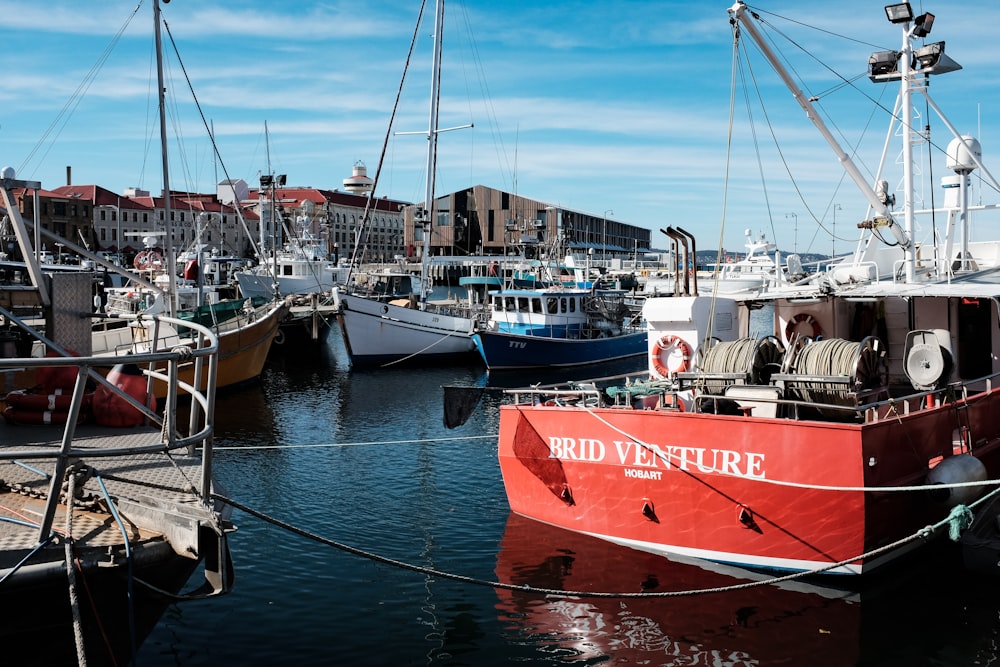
(759, 492)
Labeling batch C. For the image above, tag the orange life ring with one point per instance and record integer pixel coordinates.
(672, 344)
(29, 400)
(802, 318)
(20, 416)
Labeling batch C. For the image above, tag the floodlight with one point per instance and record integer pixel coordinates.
(882, 63)
(929, 54)
(899, 13)
(922, 25)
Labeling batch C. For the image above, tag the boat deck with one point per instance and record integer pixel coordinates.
(154, 494)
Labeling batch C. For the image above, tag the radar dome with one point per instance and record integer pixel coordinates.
(961, 152)
(7, 172)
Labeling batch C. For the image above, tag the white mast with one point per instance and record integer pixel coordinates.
(427, 214)
(169, 236)
(906, 111)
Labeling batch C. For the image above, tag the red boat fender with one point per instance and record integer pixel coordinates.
(53, 378)
(802, 318)
(110, 409)
(668, 344)
(191, 270)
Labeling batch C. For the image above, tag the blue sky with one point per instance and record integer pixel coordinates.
(620, 107)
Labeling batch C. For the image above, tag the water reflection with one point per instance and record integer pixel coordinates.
(906, 619)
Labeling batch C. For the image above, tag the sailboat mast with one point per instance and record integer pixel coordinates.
(432, 134)
(168, 239)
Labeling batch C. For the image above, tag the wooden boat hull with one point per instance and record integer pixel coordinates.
(243, 346)
(243, 351)
(759, 492)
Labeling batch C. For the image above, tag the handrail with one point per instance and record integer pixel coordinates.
(868, 411)
(161, 366)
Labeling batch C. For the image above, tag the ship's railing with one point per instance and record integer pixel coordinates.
(199, 355)
(638, 391)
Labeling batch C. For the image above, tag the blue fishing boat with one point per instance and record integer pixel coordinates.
(559, 326)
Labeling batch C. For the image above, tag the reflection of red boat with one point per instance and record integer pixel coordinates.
(764, 625)
(861, 410)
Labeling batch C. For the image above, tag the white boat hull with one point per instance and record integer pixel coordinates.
(379, 333)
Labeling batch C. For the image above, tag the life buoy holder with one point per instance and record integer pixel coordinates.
(671, 345)
(147, 259)
(802, 318)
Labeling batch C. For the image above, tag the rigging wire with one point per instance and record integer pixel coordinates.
(59, 123)
(211, 136)
(366, 215)
(491, 113)
(816, 102)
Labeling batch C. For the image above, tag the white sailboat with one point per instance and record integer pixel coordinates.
(380, 329)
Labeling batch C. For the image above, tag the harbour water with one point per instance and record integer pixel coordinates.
(362, 459)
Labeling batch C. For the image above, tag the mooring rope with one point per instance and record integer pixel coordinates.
(74, 600)
(922, 534)
(325, 445)
(130, 562)
(445, 335)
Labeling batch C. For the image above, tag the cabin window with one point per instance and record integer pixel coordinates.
(552, 305)
(510, 304)
(522, 304)
(563, 308)
(572, 305)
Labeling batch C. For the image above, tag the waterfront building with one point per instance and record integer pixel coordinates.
(485, 221)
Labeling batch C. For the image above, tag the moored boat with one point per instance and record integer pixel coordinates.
(412, 330)
(558, 327)
(858, 424)
(105, 509)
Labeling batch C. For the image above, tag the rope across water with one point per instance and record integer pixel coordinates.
(955, 521)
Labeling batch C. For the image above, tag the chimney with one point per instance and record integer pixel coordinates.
(69, 175)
